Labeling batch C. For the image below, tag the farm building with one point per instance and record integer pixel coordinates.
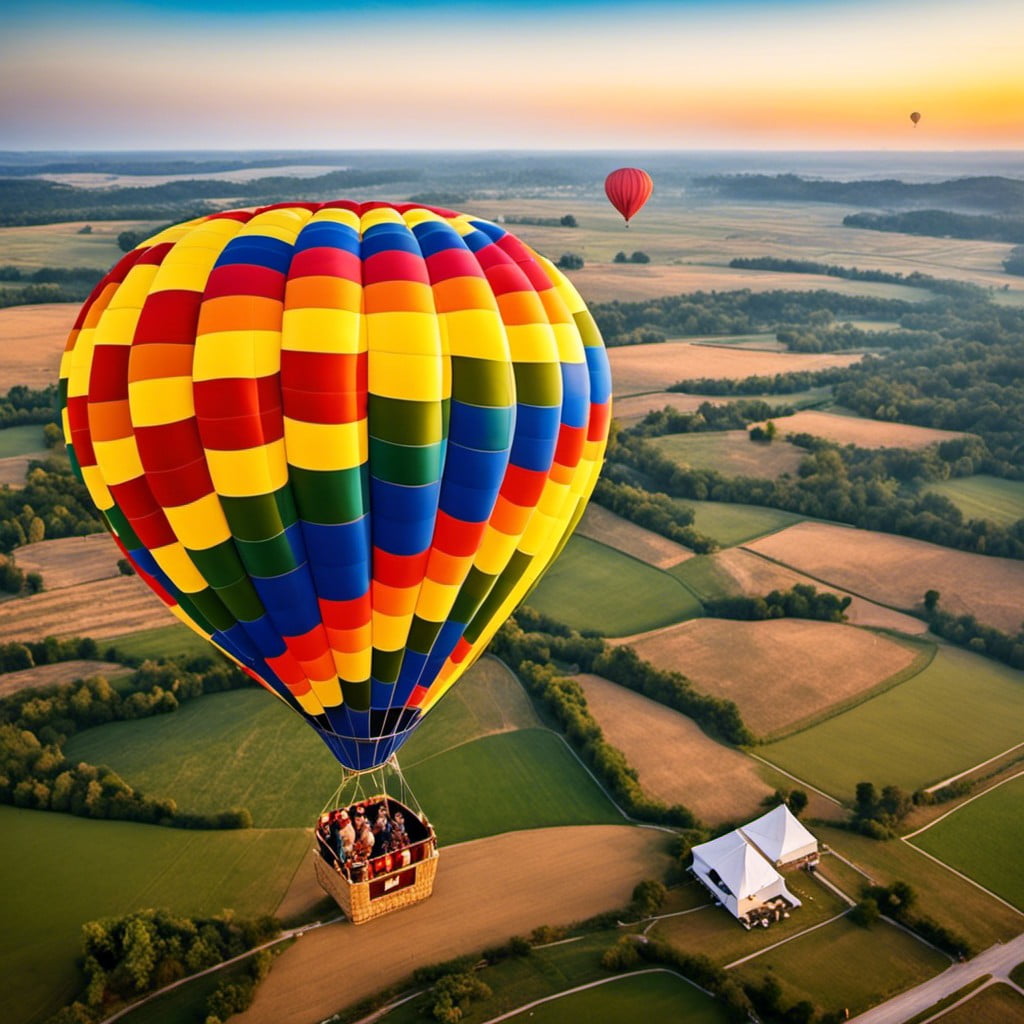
(782, 839)
(741, 879)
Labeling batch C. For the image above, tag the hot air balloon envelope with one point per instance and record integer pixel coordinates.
(915, 117)
(342, 441)
(628, 189)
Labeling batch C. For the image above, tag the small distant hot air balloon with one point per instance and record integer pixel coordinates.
(628, 189)
(915, 117)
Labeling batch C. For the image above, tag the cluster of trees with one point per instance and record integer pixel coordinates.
(776, 384)
(737, 312)
(125, 957)
(18, 655)
(878, 814)
(570, 261)
(568, 221)
(636, 257)
(801, 601)
(966, 631)
(990, 192)
(23, 405)
(897, 901)
(14, 580)
(846, 485)
(1014, 263)
(47, 284)
(942, 224)
(35, 724)
(653, 511)
(707, 417)
(53, 503)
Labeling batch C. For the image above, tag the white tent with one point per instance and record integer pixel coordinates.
(737, 875)
(780, 837)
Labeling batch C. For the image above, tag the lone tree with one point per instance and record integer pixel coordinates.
(570, 261)
(568, 221)
(931, 600)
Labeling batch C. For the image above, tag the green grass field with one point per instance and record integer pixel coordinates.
(593, 586)
(845, 966)
(57, 872)
(730, 524)
(21, 440)
(961, 710)
(243, 749)
(61, 245)
(995, 860)
(996, 1004)
(985, 497)
(163, 642)
(731, 453)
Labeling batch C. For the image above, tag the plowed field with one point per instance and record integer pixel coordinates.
(606, 527)
(862, 433)
(32, 341)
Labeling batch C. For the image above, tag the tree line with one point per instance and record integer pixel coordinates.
(942, 224)
(24, 405)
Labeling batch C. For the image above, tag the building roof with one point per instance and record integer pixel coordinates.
(779, 836)
(737, 865)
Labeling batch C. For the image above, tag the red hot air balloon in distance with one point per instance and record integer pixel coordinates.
(628, 189)
(915, 117)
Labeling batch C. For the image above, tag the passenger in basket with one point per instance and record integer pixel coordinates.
(362, 849)
(334, 839)
(382, 831)
(399, 837)
(324, 838)
(348, 833)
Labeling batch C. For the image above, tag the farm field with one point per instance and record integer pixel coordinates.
(846, 966)
(32, 341)
(731, 453)
(58, 871)
(994, 1004)
(781, 671)
(736, 524)
(959, 711)
(615, 532)
(995, 819)
(52, 675)
(740, 571)
(985, 497)
(101, 609)
(163, 642)
(898, 570)
(676, 762)
(69, 561)
(642, 368)
(14, 469)
(479, 764)
(863, 433)
(32, 246)
(633, 408)
(651, 995)
(23, 440)
(606, 577)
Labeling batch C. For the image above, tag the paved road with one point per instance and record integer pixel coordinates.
(998, 961)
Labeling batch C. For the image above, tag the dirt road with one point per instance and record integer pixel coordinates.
(486, 892)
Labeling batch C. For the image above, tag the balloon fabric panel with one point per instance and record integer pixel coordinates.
(342, 441)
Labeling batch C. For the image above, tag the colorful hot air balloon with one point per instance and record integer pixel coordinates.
(342, 441)
(628, 189)
(915, 117)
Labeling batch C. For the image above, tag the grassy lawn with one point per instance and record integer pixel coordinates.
(713, 932)
(996, 1004)
(995, 861)
(731, 453)
(164, 642)
(593, 586)
(845, 966)
(985, 497)
(736, 524)
(57, 872)
(243, 749)
(961, 710)
(942, 895)
(21, 440)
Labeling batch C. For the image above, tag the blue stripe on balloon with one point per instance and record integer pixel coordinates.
(575, 394)
(323, 234)
(257, 251)
(339, 556)
(492, 231)
(290, 601)
(489, 428)
(403, 517)
(536, 436)
(263, 636)
(388, 238)
(471, 483)
(600, 374)
(434, 237)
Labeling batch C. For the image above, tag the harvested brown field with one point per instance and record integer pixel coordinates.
(636, 407)
(860, 432)
(898, 570)
(731, 453)
(14, 468)
(32, 341)
(52, 675)
(607, 528)
(485, 891)
(780, 671)
(756, 576)
(676, 762)
(70, 561)
(641, 368)
(101, 609)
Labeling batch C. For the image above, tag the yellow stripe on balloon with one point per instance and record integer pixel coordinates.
(435, 600)
(532, 343)
(245, 472)
(403, 334)
(495, 549)
(414, 378)
(160, 400)
(390, 631)
(175, 561)
(230, 354)
(118, 460)
(477, 333)
(353, 666)
(325, 445)
(308, 329)
(200, 524)
(97, 488)
(328, 691)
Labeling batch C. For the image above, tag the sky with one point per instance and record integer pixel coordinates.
(514, 74)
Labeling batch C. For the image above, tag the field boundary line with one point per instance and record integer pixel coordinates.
(953, 778)
(969, 800)
(803, 782)
(788, 938)
(966, 878)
